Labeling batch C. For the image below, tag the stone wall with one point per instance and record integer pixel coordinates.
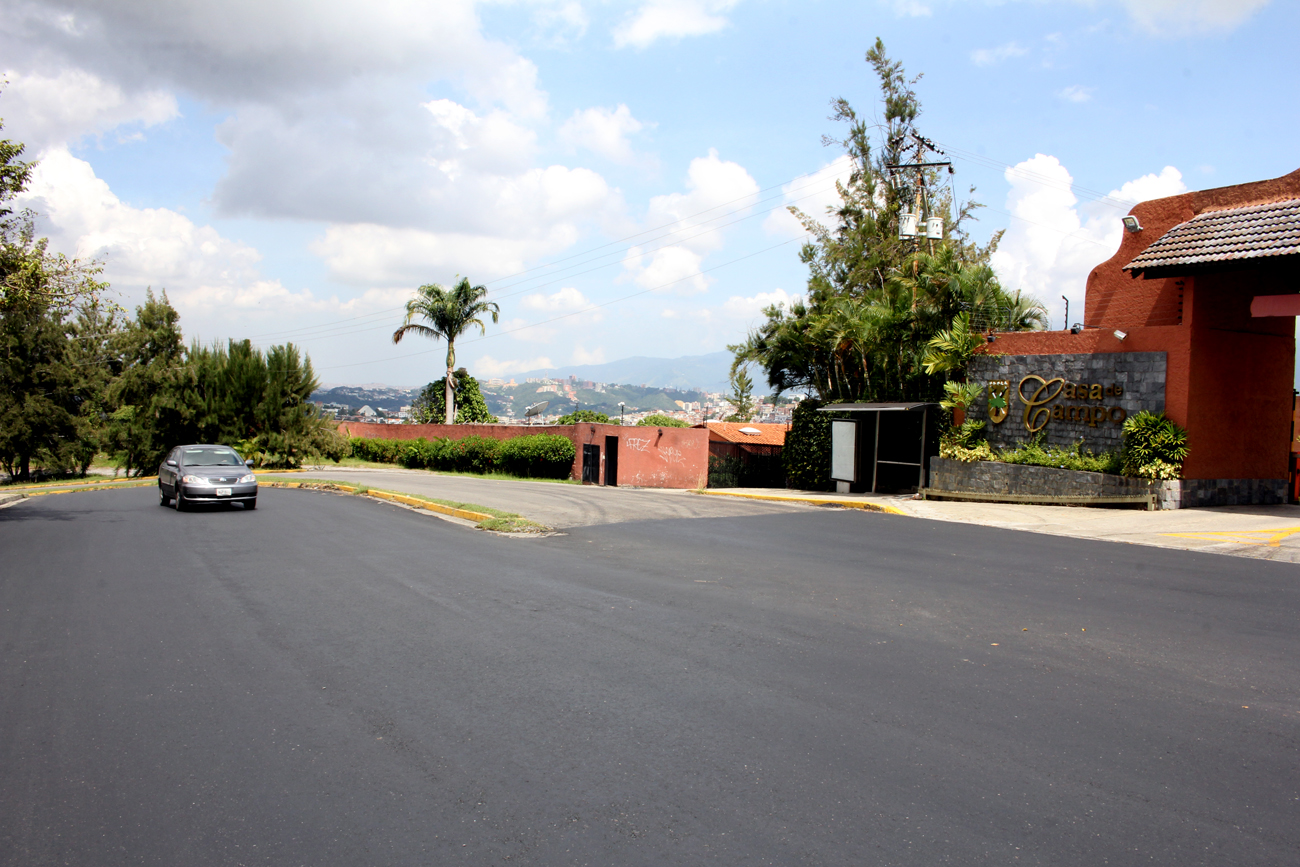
(993, 477)
(1114, 386)
(1198, 493)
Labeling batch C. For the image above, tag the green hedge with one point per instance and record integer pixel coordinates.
(807, 452)
(546, 456)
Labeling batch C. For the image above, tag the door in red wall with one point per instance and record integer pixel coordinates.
(611, 461)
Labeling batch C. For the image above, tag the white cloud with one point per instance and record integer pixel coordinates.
(1181, 17)
(582, 356)
(566, 299)
(365, 254)
(673, 268)
(814, 194)
(671, 19)
(911, 9)
(486, 365)
(43, 111)
(688, 226)
(603, 132)
(204, 273)
(991, 56)
(748, 310)
(1053, 242)
(1075, 93)
(560, 23)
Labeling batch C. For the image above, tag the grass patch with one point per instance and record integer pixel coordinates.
(495, 475)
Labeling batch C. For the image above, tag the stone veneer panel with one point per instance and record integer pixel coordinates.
(1140, 376)
(993, 477)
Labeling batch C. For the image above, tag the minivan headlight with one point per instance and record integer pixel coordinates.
(248, 479)
(195, 480)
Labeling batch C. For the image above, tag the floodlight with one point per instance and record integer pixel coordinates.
(1131, 223)
(1120, 335)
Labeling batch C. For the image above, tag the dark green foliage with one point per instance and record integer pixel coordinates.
(742, 395)
(807, 452)
(724, 472)
(40, 391)
(590, 416)
(657, 420)
(1154, 446)
(545, 456)
(875, 301)
(144, 399)
(380, 451)
(431, 406)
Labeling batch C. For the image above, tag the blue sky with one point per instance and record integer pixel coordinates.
(616, 174)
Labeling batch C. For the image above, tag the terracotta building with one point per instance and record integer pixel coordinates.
(1193, 315)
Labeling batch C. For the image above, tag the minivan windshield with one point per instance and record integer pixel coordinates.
(211, 458)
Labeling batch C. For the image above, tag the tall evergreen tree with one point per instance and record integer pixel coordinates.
(875, 300)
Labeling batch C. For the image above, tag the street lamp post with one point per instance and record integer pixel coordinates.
(620, 413)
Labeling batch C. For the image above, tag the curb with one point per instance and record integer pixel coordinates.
(848, 504)
(463, 514)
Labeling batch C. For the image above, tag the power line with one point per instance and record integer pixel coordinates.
(589, 309)
(821, 187)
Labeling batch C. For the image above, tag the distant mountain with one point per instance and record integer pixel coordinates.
(373, 395)
(704, 372)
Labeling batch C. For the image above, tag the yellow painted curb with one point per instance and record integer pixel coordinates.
(80, 484)
(464, 514)
(848, 504)
(134, 483)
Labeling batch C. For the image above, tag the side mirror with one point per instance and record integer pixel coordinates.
(170, 462)
(249, 463)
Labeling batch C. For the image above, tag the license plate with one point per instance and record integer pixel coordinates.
(223, 492)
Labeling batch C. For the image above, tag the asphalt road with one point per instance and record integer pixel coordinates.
(334, 680)
(555, 505)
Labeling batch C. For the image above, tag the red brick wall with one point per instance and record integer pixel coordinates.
(651, 457)
(648, 457)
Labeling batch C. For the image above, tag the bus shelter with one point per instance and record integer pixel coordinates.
(882, 448)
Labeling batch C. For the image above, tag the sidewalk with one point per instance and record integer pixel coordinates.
(1264, 532)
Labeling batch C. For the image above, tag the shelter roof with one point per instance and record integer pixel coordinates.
(874, 407)
(1250, 232)
(731, 432)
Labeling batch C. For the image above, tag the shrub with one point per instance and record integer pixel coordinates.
(430, 407)
(661, 420)
(1074, 457)
(588, 415)
(807, 453)
(1154, 446)
(547, 456)
(472, 454)
(965, 443)
(378, 450)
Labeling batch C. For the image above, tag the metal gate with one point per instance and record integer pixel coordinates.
(591, 464)
(733, 465)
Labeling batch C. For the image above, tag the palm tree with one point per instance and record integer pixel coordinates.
(449, 312)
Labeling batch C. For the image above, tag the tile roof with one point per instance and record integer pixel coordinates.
(768, 434)
(1252, 232)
